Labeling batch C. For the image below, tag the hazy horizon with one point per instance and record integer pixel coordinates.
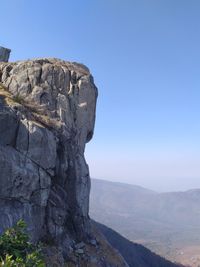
(158, 189)
(145, 59)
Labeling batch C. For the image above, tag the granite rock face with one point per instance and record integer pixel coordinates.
(47, 115)
(4, 54)
(46, 119)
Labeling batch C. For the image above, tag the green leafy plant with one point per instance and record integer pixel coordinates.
(17, 251)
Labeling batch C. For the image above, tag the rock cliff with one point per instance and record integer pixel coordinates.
(47, 115)
(4, 54)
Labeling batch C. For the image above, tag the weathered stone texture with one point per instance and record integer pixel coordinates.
(47, 115)
(43, 133)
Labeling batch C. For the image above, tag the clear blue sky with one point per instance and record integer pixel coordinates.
(145, 58)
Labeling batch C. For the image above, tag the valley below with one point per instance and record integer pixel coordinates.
(166, 223)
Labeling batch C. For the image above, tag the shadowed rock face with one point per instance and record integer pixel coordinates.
(47, 115)
(4, 54)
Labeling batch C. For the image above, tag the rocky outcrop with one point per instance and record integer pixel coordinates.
(47, 115)
(4, 54)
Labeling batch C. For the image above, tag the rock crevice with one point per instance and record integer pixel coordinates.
(47, 115)
(41, 165)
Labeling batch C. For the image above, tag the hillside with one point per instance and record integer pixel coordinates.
(135, 255)
(166, 223)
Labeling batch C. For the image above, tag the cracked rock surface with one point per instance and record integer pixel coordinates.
(47, 114)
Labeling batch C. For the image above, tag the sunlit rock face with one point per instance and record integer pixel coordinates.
(47, 115)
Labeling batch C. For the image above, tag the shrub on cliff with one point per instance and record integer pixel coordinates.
(17, 251)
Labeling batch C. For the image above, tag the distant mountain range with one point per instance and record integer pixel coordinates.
(166, 223)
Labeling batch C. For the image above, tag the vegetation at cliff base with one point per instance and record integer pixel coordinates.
(17, 251)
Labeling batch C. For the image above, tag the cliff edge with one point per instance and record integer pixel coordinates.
(47, 115)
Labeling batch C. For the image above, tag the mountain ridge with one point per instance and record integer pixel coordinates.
(166, 223)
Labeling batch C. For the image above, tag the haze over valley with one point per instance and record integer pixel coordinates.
(166, 223)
